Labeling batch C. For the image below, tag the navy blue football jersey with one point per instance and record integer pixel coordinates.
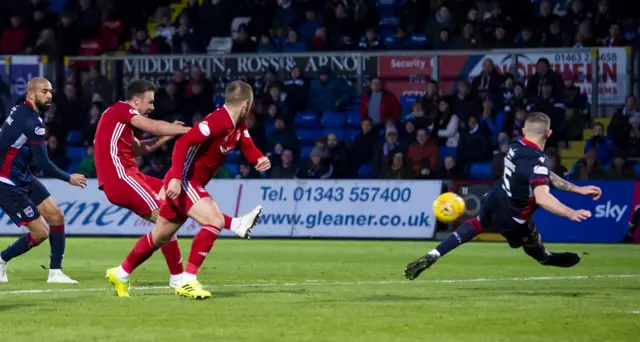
(525, 167)
(22, 128)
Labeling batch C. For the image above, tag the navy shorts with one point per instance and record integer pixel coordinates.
(19, 203)
(493, 214)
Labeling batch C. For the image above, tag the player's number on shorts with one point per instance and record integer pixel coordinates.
(506, 183)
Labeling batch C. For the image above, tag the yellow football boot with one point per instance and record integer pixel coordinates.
(121, 286)
(192, 289)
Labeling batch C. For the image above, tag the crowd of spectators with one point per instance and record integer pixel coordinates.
(438, 136)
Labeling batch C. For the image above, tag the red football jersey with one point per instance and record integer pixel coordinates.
(113, 143)
(200, 152)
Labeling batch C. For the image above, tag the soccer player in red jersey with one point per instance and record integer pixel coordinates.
(121, 180)
(196, 156)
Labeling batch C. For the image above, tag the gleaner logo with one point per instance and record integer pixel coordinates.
(411, 63)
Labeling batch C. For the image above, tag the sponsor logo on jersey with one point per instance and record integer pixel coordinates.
(40, 130)
(28, 211)
(204, 128)
(540, 170)
(133, 112)
(246, 134)
(541, 159)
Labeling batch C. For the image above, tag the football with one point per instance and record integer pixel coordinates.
(448, 207)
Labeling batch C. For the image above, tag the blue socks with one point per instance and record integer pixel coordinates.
(467, 231)
(57, 242)
(19, 247)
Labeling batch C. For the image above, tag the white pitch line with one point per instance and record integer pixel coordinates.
(339, 283)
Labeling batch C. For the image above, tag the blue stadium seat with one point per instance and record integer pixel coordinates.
(333, 119)
(447, 151)
(269, 127)
(407, 101)
(305, 152)
(353, 119)
(349, 134)
(338, 132)
(389, 21)
(74, 138)
(636, 167)
(308, 136)
(76, 153)
(366, 171)
(418, 41)
(480, 171)
(306, 120)
(232, 167)
(352, 106)
(234, 156)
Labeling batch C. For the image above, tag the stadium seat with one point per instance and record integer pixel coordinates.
(306, 120)
(232, 167)
(332, 119)
(407, 101)
(76, 153)
(636, 167)
(219, 45)
(74, 138)
(308, 136)
(389, 21)
(349, 134)
(234, 156)
(353, 119)
(269, 127)
(480, 171)
(366, 171)
(447, 151)
(418, 41)
(305, 152)
(338, 132)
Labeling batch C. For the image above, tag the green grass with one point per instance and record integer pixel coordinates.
(271, 290)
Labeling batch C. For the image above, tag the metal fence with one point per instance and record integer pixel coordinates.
(605, 74)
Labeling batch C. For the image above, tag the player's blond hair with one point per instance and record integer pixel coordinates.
(537, 124)
(237, 92)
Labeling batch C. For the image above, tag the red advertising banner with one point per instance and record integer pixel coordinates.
(405, 75)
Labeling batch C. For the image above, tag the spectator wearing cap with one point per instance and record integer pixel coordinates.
(601, 143)
(442, 19)
(379, 104)
(620, 168)
(328, 93)
(317, 167)
(297, 88)
(363, 147)
(424, 155)
(293, 44)
(396, 167)
(500, 39)
(474, 145)
(385, 149)
(615, 36)
(553, 37)
(282, 138)
(446, 125)
(370, 40)
(14, 37)
(489, 81)
(543, 71)
(588, 167)
(244, 43)
(619, 128)
(308, 26)
(492, 118)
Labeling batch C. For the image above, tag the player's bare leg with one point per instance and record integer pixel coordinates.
(38, 233)
(161, 234)
(55, 218)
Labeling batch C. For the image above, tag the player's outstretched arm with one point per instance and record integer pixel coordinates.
(144, 147)
(545, 199)
(157, 127)
(561, 184)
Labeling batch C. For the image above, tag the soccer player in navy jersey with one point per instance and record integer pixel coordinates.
(22, 197)
(510, 205)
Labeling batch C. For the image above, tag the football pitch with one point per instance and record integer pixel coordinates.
(319, 290)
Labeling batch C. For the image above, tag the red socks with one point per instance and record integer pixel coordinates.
(201, 246)
(227, 221)
(142, 250)
(173, 256)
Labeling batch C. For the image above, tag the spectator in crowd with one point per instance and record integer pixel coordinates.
(181, 82)
(214, 19)
(282, 138)
(620, 169)
(370, 40)
(277, 104)
(603, 19)
(474, 146)
(500, 39)
(424, 155)
(317, 166)
(87, 166)
(191, 11)
(46, 45)
(442, 19)
(495, 18)
(328, 93)
(141, 44)
(412, 15)
(309, 26)
(89, 18)
(469, 39)
(614, 39)
(14, 37)
(528, 39)
(633, 144)
(379, 104)
(364, 14)
(546, 17)
(54, 121)
(574, 17)
(186, 41)
(497, 163)
(284, 168)
(601, 143)
(319, 41)
(553, 37)
(513, 126)
(444, 40)
(585, 37)
(244, 43)
(385, 149)
(517, 100)
(72, 108)
(341, 28)
(544, 72)
(199, 103)
(552, 106)
(266, 44)
(446, 125)
(68, 35)
(338, 156)
(417, 116)
(57, 154)
(619, 128)
(246, 171)
(168, 101)
(165, 28)
(576, 107)
(489, 81)
(97, 83)
(196, 75)
(465, 104)
(286, 14)
(451, 170)
(554, 162)
(297, 88)
(257, 132)
(91, 124)
(588, 167)
(396, 167)
(430, 100)
(493, 119)
(363, 147)
(292, 44)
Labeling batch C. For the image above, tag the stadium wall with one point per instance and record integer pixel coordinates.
(366, 209)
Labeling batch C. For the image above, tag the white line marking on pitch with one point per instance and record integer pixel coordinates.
(636, 312)
(342, 283)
